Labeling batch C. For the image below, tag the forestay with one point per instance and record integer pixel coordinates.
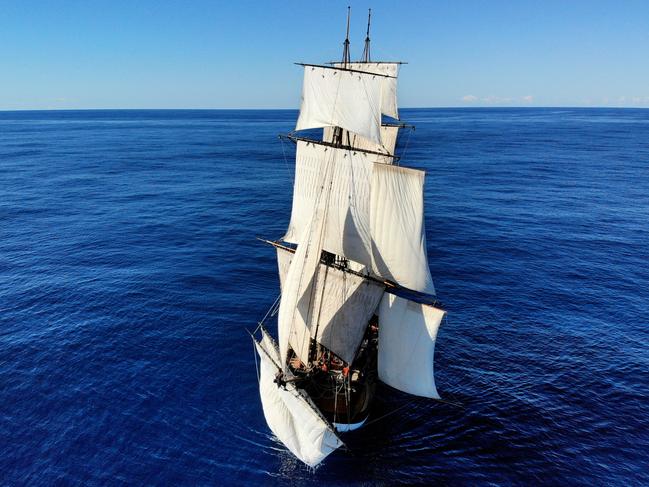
(342, 304)
(389, 134)
(397, 227)
(289, 415)
(389, 88)
(341, 98)
(407, 334)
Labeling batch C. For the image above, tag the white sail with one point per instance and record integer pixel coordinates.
(347, 230)
(375, 212)
(389, 88)
(295, 302)
(342, 305)
(341, 98)
(293, 316)
(389, 134)
(284, 258)
(397, 227)
(288, 414)
(407, 334)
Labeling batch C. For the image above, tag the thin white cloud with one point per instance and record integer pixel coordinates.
(496, 100)
(632, 100)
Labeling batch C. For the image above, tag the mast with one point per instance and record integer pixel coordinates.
(346, 55)
(338, 131)
(366, 50)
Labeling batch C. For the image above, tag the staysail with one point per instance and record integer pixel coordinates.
(407, 335)
(289, 414)
(341, 98)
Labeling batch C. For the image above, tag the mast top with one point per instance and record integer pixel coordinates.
(346, 55)
(366, 50)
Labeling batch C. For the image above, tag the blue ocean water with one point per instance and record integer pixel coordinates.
(129, 271)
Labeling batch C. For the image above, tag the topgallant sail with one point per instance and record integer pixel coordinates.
(357, 300)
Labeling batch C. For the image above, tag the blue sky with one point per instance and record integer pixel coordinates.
(239, 54)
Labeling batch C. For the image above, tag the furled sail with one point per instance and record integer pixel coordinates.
(342, 305)
(389, 134)
(341, 98)
(397, 227)
(289, 414)
(389, 82)
(407, 334)
(374, 216)
(347, 227)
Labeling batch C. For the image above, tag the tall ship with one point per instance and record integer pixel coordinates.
(357, 302)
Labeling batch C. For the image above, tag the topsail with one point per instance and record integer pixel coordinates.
(347, 226)
(341, 98)
(389, 107)
(389, 71)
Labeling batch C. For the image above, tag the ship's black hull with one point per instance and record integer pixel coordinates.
(343, 392)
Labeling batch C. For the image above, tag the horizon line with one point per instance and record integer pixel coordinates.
(450, 107)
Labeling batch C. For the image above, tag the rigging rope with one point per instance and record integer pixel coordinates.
(284, 154)
(270, 312)
(450, 403)
(405, 149)
(254, 352)
(387, 414)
